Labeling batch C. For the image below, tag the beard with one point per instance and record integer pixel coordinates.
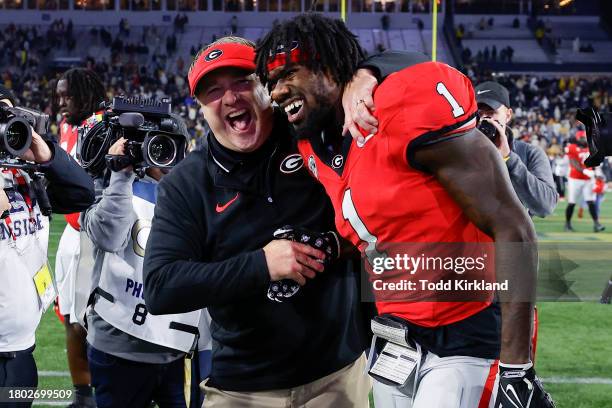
(76, 119)
(318, 119)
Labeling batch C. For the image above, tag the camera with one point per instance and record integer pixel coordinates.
(599, 137)
(16, 133)
(488, 129)
(16, 126)
(155, 138)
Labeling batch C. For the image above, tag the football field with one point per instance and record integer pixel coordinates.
(574, 356)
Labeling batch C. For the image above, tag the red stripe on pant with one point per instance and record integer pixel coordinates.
(487, 391)
(534, 335)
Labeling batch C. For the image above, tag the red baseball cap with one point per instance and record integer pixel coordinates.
(221, 55)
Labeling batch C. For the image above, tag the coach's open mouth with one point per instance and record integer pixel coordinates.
(239, 120)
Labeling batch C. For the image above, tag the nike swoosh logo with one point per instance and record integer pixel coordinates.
(221, 208)
(514, 398)
(483, 91)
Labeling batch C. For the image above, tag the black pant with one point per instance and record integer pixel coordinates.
(560, 183)
(18, 370)
(124, 383)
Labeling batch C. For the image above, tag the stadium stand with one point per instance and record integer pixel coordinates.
(152, 59)
(547, 79)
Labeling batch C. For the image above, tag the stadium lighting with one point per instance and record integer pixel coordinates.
(564, 3)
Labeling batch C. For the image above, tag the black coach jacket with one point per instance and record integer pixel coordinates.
(215, 212)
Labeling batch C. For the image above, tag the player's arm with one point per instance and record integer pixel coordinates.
(472, 172)
(358, 95)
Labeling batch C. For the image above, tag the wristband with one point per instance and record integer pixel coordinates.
(524, 366)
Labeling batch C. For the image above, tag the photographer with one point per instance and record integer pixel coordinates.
(528, 166)
(25, 281)
(134, 357)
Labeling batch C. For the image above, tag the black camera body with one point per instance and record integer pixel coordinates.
(154, 137)
(16, 132)
(16, 126)
(488, 130)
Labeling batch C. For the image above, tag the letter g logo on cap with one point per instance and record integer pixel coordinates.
(213, 55)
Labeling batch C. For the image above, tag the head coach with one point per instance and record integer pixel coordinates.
(211, 245)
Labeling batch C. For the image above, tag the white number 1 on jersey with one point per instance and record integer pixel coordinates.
(349, 212)
(443, 90)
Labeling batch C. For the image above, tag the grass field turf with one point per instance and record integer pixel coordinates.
(575, 338)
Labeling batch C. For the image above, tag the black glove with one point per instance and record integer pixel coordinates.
(327, 242)
(521, 388)
(598, 136)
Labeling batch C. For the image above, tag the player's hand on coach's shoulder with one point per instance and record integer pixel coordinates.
(519, 387)
(358, 105)
(293, 260)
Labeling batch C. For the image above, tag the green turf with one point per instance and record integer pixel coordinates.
(574, 337)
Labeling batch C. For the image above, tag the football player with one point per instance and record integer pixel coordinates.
(428, 176)
(77, 95)
(580, 182)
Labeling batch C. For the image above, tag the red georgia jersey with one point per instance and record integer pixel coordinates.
(69, 134)
(579, 154)
(68, 137)
(379, 194)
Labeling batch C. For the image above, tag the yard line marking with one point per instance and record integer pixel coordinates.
(54, 373)
(577, 380)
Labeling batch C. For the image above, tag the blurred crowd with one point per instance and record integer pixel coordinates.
(135, 68)
(545, 112)
(544, 107)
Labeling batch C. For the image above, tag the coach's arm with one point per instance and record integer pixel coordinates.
(479, 183)
(177, 276)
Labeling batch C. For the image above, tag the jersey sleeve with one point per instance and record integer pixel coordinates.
(422, 105)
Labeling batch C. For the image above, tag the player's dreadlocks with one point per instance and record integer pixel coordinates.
(328, 46)
(86, 87)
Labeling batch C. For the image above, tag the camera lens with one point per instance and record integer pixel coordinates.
(16, 137)
(161, 150)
